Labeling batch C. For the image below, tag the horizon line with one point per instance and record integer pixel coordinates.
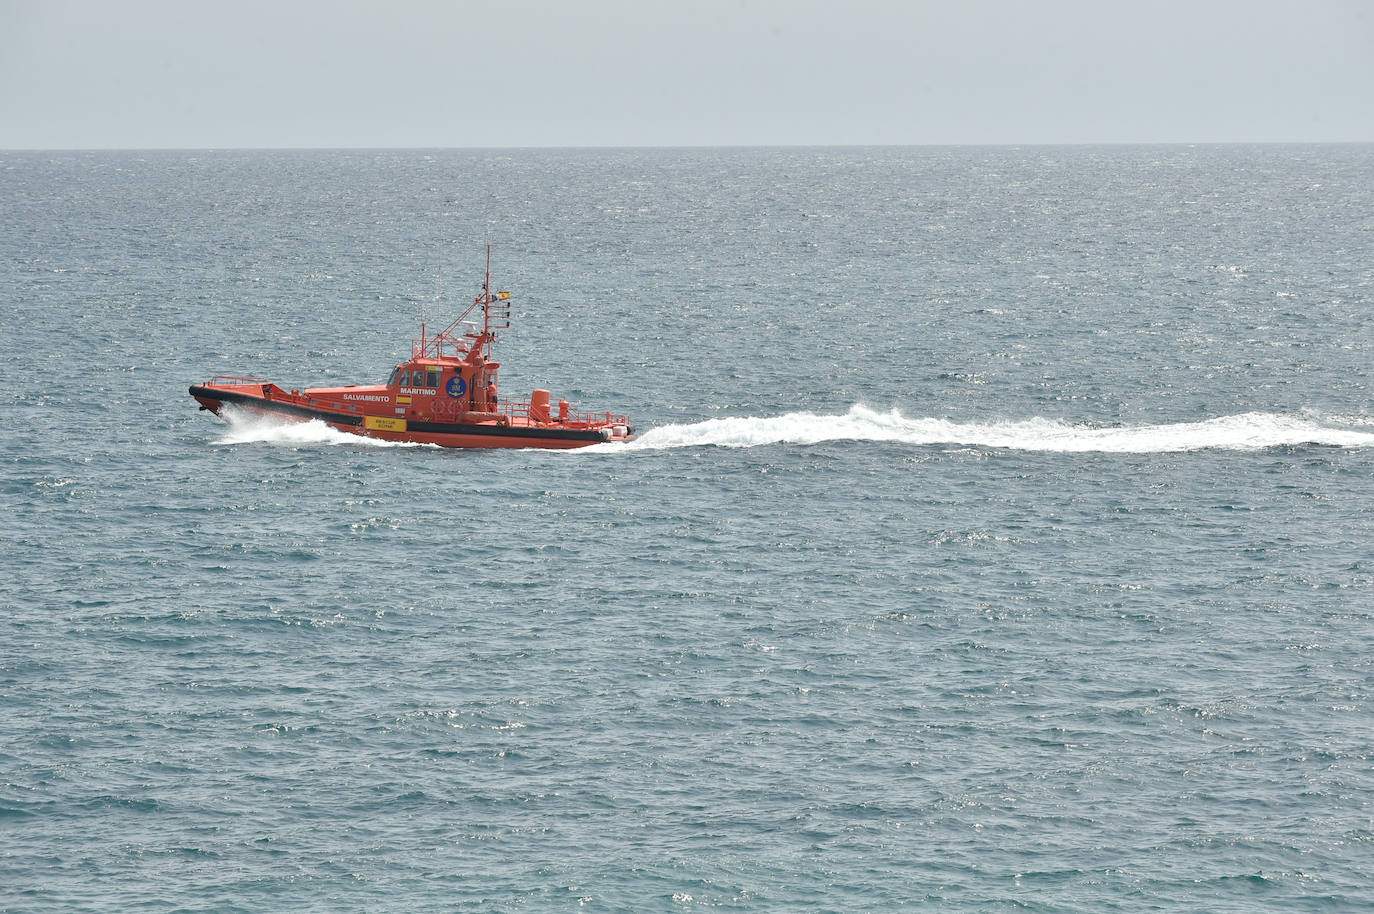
(571, 147)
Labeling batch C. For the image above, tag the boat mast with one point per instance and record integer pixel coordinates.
(486, 307)
(495, 310)
(492, 320)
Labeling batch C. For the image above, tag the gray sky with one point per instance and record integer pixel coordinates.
(407, 73)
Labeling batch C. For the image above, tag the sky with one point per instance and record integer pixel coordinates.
(195, 74)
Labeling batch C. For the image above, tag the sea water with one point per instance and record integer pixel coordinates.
(999, 534)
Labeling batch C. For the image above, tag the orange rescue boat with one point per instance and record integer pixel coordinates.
(444, 394)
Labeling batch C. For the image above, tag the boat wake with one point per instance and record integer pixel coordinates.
(252, 428)
(1245, 432)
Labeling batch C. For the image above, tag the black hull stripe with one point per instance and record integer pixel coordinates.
(425, 428)
(503, 431)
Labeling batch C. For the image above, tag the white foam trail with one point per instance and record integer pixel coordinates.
(253, 428)
(1248, 431)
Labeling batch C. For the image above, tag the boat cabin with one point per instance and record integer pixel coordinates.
(444, 386)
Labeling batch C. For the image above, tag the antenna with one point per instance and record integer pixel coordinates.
(495, 307)
(495, 316)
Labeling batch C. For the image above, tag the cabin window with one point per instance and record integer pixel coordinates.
(405, 379)
(395, 376)
(432, 377)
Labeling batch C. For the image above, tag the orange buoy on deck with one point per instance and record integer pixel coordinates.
(539, 406)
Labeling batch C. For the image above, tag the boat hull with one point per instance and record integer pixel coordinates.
(485, 434)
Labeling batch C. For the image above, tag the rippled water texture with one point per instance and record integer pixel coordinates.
(998, 536)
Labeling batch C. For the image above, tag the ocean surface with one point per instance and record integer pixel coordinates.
(999, 535)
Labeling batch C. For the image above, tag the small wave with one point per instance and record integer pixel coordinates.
(1245, 432)
(253, 428)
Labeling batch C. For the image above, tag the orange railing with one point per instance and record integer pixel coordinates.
(520, 409)
(521, 412)
(229, 380)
